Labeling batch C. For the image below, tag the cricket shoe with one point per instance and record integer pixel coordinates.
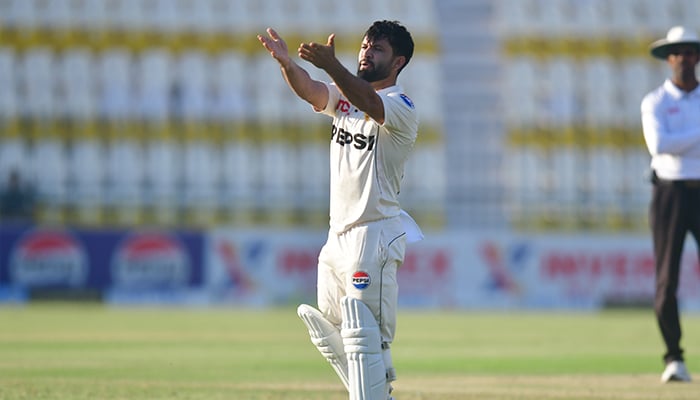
(675, 372)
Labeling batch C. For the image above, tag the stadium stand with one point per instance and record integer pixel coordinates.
(166, 112)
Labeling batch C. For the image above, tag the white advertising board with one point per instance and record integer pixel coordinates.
(466, 270)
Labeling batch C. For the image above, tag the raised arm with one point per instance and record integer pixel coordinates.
(314, 92)
(357, 90)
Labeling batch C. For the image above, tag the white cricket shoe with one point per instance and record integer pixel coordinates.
(675, 372)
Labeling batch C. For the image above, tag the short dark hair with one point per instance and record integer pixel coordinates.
(396, 34)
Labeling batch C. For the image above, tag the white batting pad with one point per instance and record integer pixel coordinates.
(327, 340)
(363, 346)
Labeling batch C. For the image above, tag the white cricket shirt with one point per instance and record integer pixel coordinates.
(671, 125)
(367, 159)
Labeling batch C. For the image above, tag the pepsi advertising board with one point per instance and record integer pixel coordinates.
(38, 258)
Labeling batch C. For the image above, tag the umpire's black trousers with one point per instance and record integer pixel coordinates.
(674, 211)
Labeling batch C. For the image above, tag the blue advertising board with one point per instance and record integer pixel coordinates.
(129, 261)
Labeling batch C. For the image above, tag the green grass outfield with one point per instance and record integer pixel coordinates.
(75, 352)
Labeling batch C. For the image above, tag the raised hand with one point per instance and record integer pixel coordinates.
(276, 46)
(320, 55)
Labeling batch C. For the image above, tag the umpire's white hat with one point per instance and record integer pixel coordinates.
(676, 35)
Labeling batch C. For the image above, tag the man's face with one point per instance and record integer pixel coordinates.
(374, 60)
(683, 58)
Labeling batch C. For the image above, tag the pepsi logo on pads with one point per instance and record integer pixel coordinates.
(361, 280)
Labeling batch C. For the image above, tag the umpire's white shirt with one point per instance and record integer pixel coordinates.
(671, 124)
(367, 159)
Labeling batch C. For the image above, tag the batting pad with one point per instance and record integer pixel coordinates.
(327, 340)
(363, 346)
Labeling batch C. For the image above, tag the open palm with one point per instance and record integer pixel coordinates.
(275, 45)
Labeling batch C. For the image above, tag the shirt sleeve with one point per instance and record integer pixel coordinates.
(400, 116)
(333, 98)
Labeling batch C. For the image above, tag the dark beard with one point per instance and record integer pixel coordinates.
(373, 75)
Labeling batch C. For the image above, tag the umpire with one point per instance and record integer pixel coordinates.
(671, 125)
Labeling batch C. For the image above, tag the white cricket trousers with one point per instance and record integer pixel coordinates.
(362, 263)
